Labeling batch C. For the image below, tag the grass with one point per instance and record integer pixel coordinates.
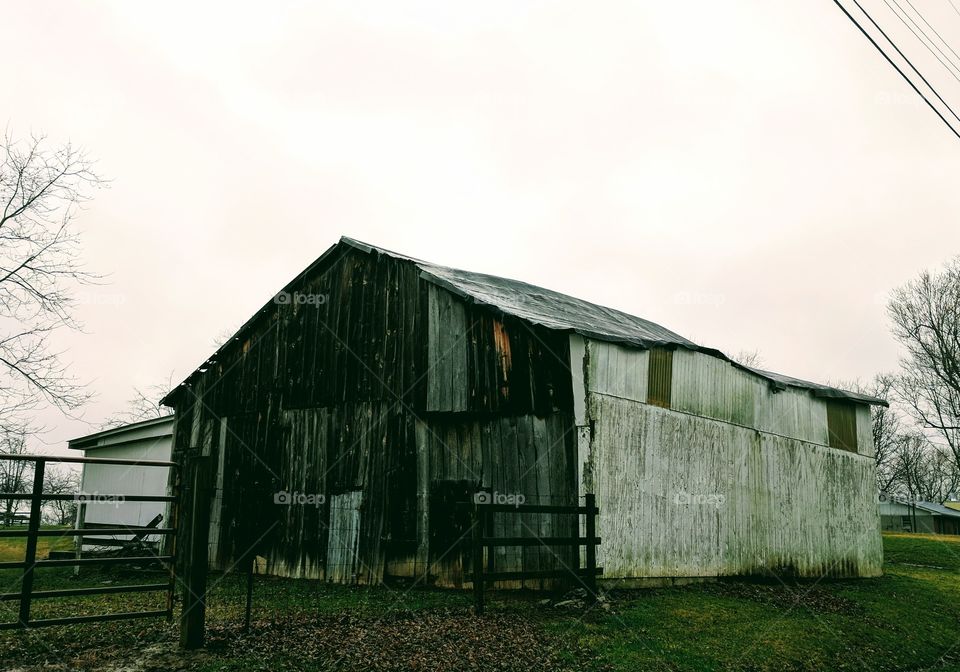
(909, 619)
(12, 548)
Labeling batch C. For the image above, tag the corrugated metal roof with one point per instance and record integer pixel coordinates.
(938, 509)
(554, 310)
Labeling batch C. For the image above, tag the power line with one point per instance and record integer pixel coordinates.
(904, 57)
(895, 66)
(921, 39)
(954, 7)
(935, 31)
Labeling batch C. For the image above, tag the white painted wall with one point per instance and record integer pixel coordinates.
(734, 479)
(99, 479)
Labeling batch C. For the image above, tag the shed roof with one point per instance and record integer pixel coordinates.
(145, 429)
(938, 509)
(553, 310)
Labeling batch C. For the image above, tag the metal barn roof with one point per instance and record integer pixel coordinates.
(553, 310)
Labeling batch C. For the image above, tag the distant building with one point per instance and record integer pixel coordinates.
(898, 515)
(147, 440)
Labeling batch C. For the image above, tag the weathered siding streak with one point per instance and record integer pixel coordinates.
(683, 496)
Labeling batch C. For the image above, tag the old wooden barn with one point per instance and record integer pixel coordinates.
(347, 417)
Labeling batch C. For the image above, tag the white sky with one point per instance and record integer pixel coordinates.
(751, 175)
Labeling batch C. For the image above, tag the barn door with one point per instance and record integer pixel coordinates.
(449, 530)
(344, 538)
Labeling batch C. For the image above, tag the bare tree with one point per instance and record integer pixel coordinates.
(225, 335)
(748, 358)
(924, 471)
(144, 405)
(16, 476)
(61, 480)
(41, 188)
(926, 321)
(886, 427)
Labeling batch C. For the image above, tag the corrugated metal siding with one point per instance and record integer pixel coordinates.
(788, 506)
(713, 388)
(865, 431)
(617, 370)
(706, 386)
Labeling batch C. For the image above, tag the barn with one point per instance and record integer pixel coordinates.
(348, 417)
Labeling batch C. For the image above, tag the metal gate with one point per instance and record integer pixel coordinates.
(30, 564)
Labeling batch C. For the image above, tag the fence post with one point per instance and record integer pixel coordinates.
(251, 567)
(196, 526)
(477, 564)
(170, 542)
(591, 544)
(30, 555)
(487, 519)
(78, 551)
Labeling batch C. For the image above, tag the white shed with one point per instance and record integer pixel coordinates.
(147, 440)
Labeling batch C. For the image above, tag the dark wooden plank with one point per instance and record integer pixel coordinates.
(538, 508)
(541, 574)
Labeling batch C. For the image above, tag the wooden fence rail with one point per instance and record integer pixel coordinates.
(482, 538)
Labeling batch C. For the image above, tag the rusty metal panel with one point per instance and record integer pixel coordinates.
(842, 425)
(660, 381)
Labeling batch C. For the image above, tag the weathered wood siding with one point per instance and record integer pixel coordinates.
(524, 455)
(481, 362)
(373, 396)
(724, 483)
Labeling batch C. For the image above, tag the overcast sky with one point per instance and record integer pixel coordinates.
(751, 175)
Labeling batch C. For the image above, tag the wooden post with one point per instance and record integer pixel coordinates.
(78, 541)
(196, 528)
(30, 555)
(591, 545)
(169, 546)
(477, 564)
(487, 518)
(250, 569)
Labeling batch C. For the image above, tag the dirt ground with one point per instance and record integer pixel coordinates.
(436, 640)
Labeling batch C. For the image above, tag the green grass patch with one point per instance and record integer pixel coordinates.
(908, 619)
